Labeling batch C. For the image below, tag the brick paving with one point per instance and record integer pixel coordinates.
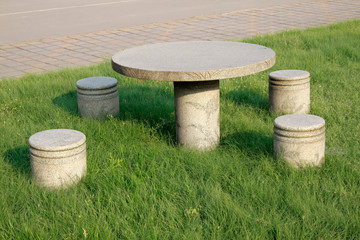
(89, 48)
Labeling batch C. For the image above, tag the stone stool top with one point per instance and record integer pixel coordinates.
(57, 140)
(299, 122)
(96, 83)
(289, 75)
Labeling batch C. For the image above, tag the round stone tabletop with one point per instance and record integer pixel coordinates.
(193, 60)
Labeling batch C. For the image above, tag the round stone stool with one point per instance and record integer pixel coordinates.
(58, 157)
(300, 139)
(97, 97)
(289, 91)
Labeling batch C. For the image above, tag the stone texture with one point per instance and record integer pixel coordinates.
(299, 139)
(97, 97)
(234, 26)
(193, 60)
(192, 66)
(289, 91)
(58, 157)
(197, 113)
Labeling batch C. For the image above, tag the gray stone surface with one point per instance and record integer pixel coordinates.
(193, 60)
(289, 91)
(57, 139)
(36, 19)
(299, 139)
(85, 47)
(97, 97)
(192, 66)
(299, 122)
(289, 75)
(96, 83)
(58, 157)
(197, 110)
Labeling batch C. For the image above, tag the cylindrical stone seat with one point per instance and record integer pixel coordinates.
(97, 97)
(58, 157)
(289, 91)
(299, 139)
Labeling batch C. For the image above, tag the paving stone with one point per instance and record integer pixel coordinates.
(52, 54)
(66, 45)
(71, 40)
(22, 59)
(233, 25)
(93, 41)
(34, 70)
(49, 40)
(12, 63)
(4, 47)
(58, 63)
(89, 34)
(40, 65)
(63, 38)
(96, 60)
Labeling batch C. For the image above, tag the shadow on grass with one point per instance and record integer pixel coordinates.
(150, 105)
(19, 158)
(248, 97)
(68, 102)
(251, 142)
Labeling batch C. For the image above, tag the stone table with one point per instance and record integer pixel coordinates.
(195, 67)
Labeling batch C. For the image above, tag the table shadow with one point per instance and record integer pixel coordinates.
(68, 102)
(250, 141)
(248, 97)
(19, 158)
(150, 105)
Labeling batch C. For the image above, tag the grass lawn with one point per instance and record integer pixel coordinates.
(141, 185)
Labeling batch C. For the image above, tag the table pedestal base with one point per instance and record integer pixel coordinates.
(197, 110)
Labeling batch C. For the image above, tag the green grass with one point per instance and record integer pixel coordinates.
(141, 185)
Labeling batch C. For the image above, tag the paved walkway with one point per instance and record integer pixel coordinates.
(89, 48)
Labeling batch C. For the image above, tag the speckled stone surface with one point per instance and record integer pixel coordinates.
(197, 111)
(96, 83)
(299, 122)
(289, 75)
(193, 60)
(300, 139)
(97, 97)
(289, 91)
(58, 157)
(192, 66)
(57, 139)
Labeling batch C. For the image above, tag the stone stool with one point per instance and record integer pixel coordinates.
(300, 139)
(289, 91)
(97, 97)
(58, 157)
